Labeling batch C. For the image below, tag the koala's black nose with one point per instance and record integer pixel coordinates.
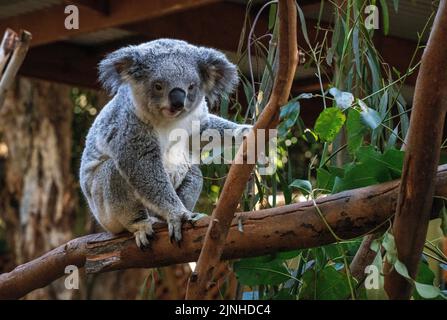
(177, 98)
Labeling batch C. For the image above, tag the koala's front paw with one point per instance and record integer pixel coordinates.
(175, 221)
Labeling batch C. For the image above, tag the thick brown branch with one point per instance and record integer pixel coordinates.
(202, 277)
(421, 158)
(350, 214)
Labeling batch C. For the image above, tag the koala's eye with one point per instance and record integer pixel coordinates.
(191, 86)
(158, 86)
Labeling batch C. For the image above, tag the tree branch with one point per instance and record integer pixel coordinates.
(421, 158)
(201, 280)
(10, 39)
(18, 55)
(297, 226)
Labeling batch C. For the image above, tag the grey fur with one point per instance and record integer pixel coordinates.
(127, 173)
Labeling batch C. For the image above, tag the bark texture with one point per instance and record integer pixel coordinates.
(350, 214)
(422, 153)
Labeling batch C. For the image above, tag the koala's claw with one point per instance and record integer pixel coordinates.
(175, 230)
(143, 234)
(191, 222)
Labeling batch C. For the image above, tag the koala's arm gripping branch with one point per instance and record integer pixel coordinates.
(202, 278)
(298, 226)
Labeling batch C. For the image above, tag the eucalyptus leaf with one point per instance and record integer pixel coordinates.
(304, 185)
(371, 118)
(424, 276)
(427, 291)
(261, 271)
(355, 130)
(329, 123)
(385, 17)
(327, 284)
(289, 115)
(343, 99)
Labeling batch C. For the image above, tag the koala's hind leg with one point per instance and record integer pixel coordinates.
(189, 190)
(119, 207)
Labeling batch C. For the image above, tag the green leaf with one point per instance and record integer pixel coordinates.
(404, 120)
(261, 271)
(385, 17)
(283, 294)
(444, 221)
(272, 16)
(304, 185)
(289, 115)
(357, 177)
(427, 291)
(287, 255)
(391, 143)
(343, 99)
(325, 180)
(396, 5)
(327, 284)
(371, 118)
(329, 123)
(425, 276)
(355, 130)
(355, 47)
(303, 25)
(394, 160)
(401, 269)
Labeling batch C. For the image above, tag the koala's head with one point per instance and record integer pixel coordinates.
(169, 78)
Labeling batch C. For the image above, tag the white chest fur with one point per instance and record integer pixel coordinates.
(174, 139)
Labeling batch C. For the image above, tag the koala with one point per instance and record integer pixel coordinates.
(131, 174)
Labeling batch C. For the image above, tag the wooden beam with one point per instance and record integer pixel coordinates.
(215, 25)
(47, 25)
(99, 6)
(64, 63)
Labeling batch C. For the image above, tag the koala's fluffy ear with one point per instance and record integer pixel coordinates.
(219, 75)
(116, 68)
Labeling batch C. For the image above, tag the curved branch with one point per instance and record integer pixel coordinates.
(202, 277)
(297, 226)
(421, 158)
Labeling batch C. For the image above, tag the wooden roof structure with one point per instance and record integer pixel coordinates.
(71, 56)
